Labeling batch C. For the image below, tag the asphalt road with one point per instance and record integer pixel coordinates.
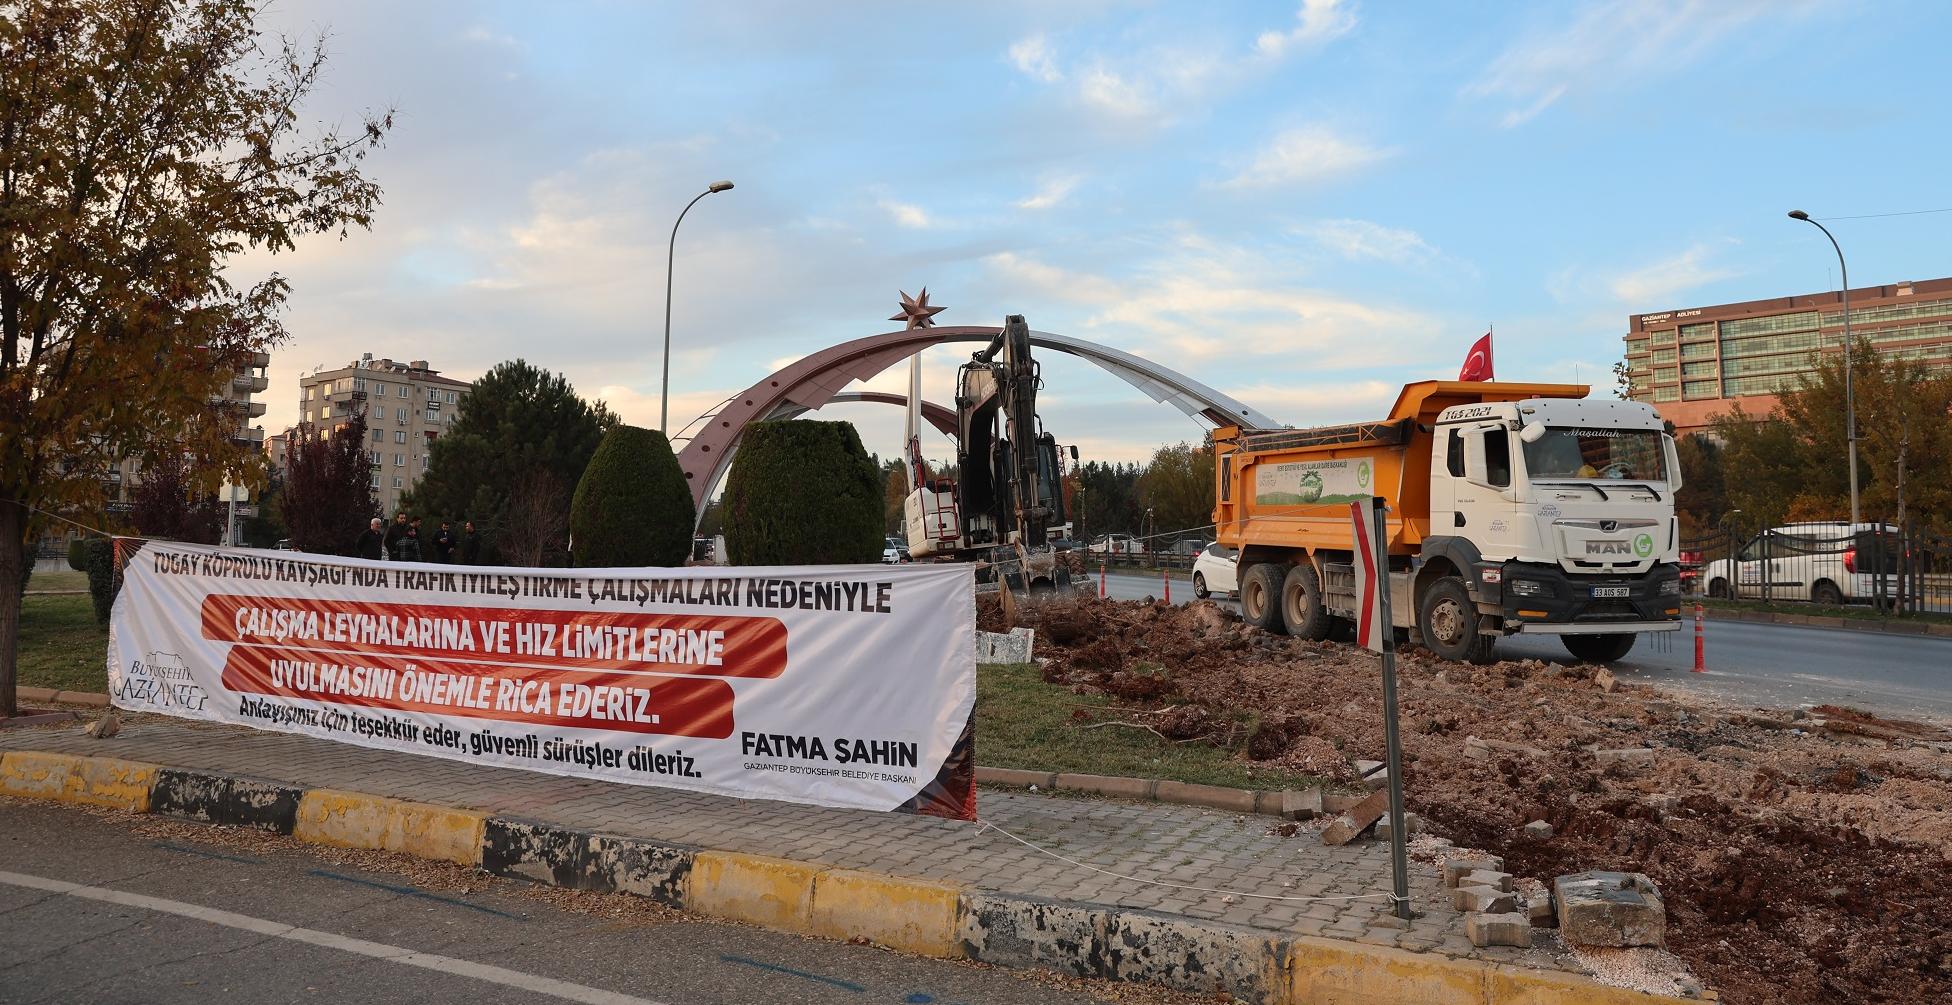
(109, 907)
(1772, 666)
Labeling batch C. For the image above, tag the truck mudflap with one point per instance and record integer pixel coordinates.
(1545, 600)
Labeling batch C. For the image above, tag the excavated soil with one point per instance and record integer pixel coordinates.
(1804, 855)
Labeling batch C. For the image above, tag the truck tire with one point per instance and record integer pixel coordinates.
(1598, 648)
(1448, 621)
(1260, 598)
(1301, 603)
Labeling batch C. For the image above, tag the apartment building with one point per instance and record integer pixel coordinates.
(407, 407)
(1694, 364)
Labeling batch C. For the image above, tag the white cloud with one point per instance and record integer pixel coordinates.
(1617, 43)
(1116, 95)
(1050, 194)
(1306, 154)
(1032, 56)
(1360, 239)
(907, 214)
(1320, 21)
(1655, 283)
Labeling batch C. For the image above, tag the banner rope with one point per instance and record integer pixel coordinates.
(988, 826)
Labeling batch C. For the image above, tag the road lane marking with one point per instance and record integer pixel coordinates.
(331, 940)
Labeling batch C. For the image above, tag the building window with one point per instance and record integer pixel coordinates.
(403, 390)
(1697, 350)
(399, 436)
(399, 460)
(374, 456)
(1664, 375)
(379, 436)
(1770, 344)
(1800, 321)
(1667, 394)
(1691, 333)
(397, 482)
(376, 481)
(1662, 356)
(1698, 389)
(450, 397)
(1699, 369)
(1662, 337)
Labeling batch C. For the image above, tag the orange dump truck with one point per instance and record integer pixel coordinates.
(1512, 508)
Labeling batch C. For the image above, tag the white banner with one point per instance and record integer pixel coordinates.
(836, 685)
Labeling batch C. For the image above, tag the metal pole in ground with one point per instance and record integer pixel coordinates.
(1699, 665)
(1399, 856)
(1101, 579)
(1166, 584)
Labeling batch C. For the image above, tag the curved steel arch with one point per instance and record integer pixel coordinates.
(942, 417)
(815, 380)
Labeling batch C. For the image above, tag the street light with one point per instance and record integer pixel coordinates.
(1850, 397)
(664, 389)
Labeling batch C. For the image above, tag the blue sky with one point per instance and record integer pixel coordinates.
(1304, 204)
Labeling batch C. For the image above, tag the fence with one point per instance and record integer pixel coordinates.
(1890, 569)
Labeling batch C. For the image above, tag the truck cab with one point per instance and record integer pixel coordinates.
(1557, 515)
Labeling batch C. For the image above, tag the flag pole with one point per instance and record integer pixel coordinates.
(1398, 840)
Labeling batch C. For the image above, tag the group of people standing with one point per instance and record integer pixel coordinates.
(402, 542)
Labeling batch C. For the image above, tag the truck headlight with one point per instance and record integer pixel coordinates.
(1529, 588)
(1670, 588)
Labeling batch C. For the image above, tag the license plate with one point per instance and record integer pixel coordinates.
(1609, 592)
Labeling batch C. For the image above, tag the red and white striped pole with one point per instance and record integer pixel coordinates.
(1700, 666)
(1166, 577)
(1101, 579)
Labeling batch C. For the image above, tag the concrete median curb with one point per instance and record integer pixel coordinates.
(1891, 626)
(911, 915)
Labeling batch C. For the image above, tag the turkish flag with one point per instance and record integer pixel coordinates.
(1477, 365)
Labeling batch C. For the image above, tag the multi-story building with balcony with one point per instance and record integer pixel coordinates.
(407, 407)
(1693, 365)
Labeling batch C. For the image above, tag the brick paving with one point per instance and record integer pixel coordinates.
(1158, 841)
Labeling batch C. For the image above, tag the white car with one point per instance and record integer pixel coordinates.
(1118, 544)
(894, 551)
(1215, 571)
(1830, 563)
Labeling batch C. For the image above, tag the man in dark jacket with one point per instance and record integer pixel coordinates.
(470, 544)
(394, 532)
(444, 544)
(372, 543)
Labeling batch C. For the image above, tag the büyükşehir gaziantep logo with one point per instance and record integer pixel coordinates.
(161, 680)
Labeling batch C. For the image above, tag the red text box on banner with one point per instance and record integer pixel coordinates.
(637, 703)
(702, 644)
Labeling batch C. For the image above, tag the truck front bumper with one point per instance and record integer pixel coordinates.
(1562, 604)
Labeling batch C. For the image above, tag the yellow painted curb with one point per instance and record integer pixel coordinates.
(769, 892)
(68, 778)
(1331, 972)
(357, 820)
(905, 914)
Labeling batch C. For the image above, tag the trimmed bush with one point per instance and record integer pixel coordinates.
(631, 507)
(78, 555)
(803, 493)
(102, 582)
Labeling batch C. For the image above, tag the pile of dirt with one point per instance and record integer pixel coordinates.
(1804, 856)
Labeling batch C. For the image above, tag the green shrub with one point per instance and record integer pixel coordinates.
(102, 580)
(631, 506)
(803, 493)
(78, 555)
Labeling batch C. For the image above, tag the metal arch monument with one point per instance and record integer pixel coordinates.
(817, 379)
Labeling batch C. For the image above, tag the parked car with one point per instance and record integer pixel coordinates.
(894, 552)
(1830, 562)
(1216, 571)
(1118, 544)
(1187, 547)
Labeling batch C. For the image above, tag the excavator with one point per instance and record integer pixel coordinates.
(1007, 495)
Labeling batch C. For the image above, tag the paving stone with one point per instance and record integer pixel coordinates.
(1412, 825)
(1483, 898)
(1538, 830)
(1356, 819)
(1492, 878)
(1476, 749)
(1609, 909)
(1458, 868)
(1504, 929)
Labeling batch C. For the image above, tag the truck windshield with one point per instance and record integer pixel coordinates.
(1578, 452)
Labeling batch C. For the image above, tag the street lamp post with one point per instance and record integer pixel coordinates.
(664, 387)
(1850, 397)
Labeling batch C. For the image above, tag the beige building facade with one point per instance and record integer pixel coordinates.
(407, 407)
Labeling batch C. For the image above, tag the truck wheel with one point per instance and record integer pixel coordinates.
(1301, 603)
(1597, 648)
(1260, 598)
(1199, 586)
(1448, 621)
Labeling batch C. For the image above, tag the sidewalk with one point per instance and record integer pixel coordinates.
(1174, 844)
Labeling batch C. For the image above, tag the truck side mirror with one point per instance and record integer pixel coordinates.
(1532, 432)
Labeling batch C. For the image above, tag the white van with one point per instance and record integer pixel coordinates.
(1826, 562)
